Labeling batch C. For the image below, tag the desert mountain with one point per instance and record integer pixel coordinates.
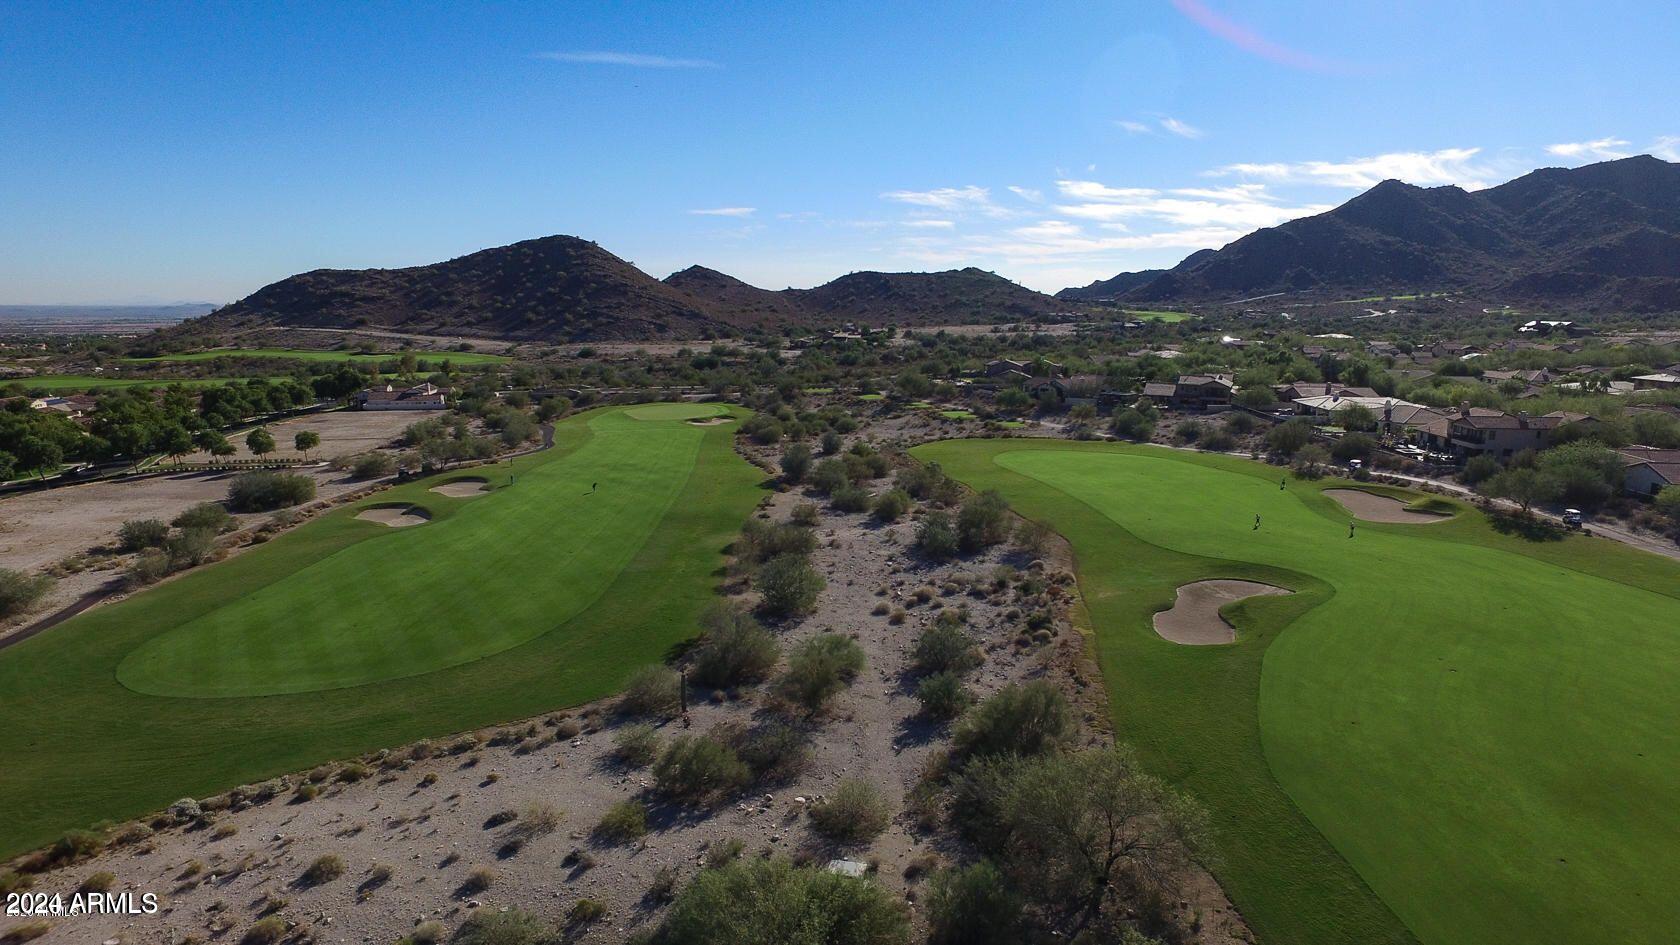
(1604, 235)
(564, 288)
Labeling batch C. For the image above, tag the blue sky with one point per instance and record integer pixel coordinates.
(164, 152)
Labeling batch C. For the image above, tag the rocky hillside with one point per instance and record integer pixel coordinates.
(1605, 235)
(564, 288)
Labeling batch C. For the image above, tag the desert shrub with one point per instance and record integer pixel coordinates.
(637, 745)
(1288, 437)
(1033, 538)
(1239, 423)
(942, 695)
(663, 888)
(1217, 441)
(973, 906)
(928, 483)
(25, 932)
(1022, 719)
(761, 542)
(1085, 833)
(983, 521)
(325, 869)
(831, 443)
(890, 506)
(585, 912)
(1588, 475)
(265, 931)
(694, 768)
(849, 498)
(206, 515)
(1479, 468)
(774, 750)
(141, 533)
(853, 814)
(514, 927)
(796, 462)
(537, 819)
(1128, 424)
(12, 881)
(789, 585)
(1187, 431)
(771, 902)
(805, 514)
(937, 537)
(624, 822)
(373, 465)
(819, 668)
(190, 547)
(99, 882)
(265, 491)
(20, 591)
(652, 690)
(829, 476)
(430, 932)
(944, 647)
(736, 649)
(479, 878)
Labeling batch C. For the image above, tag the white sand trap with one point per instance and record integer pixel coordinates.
(1194, 618)
(1380, 508)
(396, 516)
(710, 421)
(462, 488)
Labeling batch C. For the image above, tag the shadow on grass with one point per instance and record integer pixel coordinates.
(1525, 526)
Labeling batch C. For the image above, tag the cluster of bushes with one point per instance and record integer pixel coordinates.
(982, 521)
(773, 420)
(772, 902)
(819, 669)
(843, 477)
(734, 650)
(163, 552)
(367, 465)
(780, 557)
(1582, 474)
(19, 591)
(265, 491)
(942, 656)
(447, 439)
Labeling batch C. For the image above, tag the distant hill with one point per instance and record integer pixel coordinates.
(1604, 235)
(1104, 290)
(564, 288)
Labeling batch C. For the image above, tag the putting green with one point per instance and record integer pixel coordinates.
(455, 591)
(1480, 727)
(314, 354)
(676, 411)
(525, 599)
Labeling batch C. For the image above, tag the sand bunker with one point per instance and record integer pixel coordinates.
(396, 516)
(1380, 508)
(462, 488)
(1194, 618)
(711, 421)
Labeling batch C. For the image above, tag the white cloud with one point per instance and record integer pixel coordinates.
(1601, 149)
(636, 60)
(1091, 190)
(1244, 205)
(1182, 129)
(949, 199)
(1027, 193)
(725, 212)
(1134, 127)
(1424, 168)
(1667, 147)
(931, 224)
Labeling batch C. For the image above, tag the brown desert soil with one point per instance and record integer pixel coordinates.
(1194, 618)
(395, 516)
(462, 488)
(1380, 508)
(342, 432)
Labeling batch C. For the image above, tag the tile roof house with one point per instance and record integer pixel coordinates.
(1661, 381)
(419, 397)
(1648, 470)
(1194, 391)
(1297, 389)
(1480, 431)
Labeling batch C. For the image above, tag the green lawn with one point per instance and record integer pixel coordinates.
(532, 597)
(1461, 737)
(306, 354)
(958, 414)
(1159, 316)
(62, 383)
(872, 397)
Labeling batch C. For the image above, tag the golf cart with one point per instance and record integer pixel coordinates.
(1572, 518)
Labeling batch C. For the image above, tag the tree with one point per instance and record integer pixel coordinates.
(1588, 475)
(259, 442)
(1288, 437)
(175, 442)
(770, 902)
(1129, 424)
(1012, 400)
(796, 462)
(305, 441)
(1668, 503)
(983, 521)
(1524, 486)
(1357, 417)
(937, 537)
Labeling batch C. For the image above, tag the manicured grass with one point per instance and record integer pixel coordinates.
(872, 397)
(306, 354)
(957, 414)
(58, 383)
(1462, 736)
(79, 746)
(1159, 316)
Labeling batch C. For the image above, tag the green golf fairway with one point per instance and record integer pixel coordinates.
(307, 354)
(676, 411)
(343, 636)
(327, 625)
(1479, 727)
(58, 383)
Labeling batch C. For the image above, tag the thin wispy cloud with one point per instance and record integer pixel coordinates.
(921, 224)
(1457, 166)
(1133, 127)
(1600, 149)
(1247, 206)
(725, 212)
(1029, 194)
(970, 199)
(1180, 128)
(1666, 147)
(601, 57)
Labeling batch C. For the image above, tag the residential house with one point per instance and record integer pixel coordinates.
(1649, 470)
(1663, 381)
(1297, 389)
(1194, 391)
(419, 397)
(1480, 431)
